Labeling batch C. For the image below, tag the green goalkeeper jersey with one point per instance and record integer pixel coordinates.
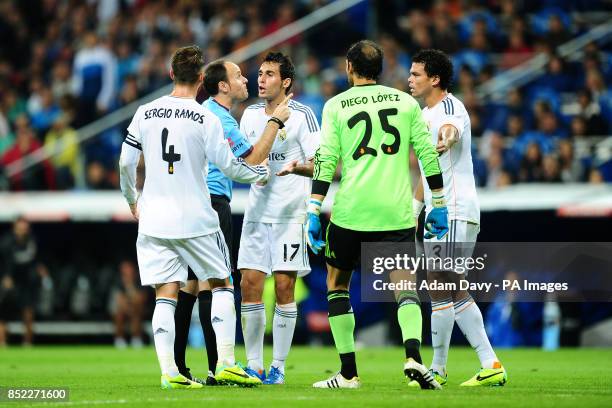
(370, 128)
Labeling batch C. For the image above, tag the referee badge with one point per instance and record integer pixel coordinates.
(282, 135)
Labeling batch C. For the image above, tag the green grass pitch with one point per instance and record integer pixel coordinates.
(103, 376)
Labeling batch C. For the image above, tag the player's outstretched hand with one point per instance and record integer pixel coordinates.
(282, 111)
(441, 148)
(288, 168)
(442, 145)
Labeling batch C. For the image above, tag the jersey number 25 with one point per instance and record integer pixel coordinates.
(383, 115)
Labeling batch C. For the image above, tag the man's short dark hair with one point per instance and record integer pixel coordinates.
(366, 57)
(187, 62)
(285, 66)
(214, 73)
(436, 63)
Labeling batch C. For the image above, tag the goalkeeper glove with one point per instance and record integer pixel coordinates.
(313, 226)
(436, 223)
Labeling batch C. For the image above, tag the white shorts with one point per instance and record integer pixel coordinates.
(273, 247)
(163, 260)
(459, 242)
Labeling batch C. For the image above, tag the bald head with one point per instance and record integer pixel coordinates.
(222, 77)
(366, 59)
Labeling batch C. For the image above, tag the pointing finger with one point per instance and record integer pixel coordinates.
(287, 98)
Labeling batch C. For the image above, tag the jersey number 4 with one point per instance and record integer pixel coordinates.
(383, 115)
(170, 156)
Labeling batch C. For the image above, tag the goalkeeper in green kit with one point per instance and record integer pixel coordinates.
(370, 128)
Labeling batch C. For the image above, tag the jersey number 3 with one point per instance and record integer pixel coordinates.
(363, 148)
(170, 156)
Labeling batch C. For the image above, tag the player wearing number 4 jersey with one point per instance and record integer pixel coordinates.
(370, 128)
(273, 234)
(449, 123)
(226, 86)
(178, 227)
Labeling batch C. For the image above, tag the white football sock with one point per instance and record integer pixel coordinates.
(469, 319)
(442, 323)
(285, 317)
(223, 319)
(253, 318)
(163, 334)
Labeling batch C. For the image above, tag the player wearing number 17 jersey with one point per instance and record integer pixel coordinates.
(178, 227)
(370, 128)
(273, 235)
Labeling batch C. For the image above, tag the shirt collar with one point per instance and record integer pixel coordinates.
(215, 101)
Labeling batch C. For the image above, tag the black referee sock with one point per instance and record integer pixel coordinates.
(182, 321)
(205, 301)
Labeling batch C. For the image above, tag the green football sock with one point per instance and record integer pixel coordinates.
(410, 321)
(342, 329)
(342, 321)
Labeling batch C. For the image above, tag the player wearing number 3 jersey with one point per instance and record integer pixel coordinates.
(178, 227)
(449, 122)
(370, 128)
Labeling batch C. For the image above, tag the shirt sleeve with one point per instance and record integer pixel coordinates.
(133, 137)
(421, 142)
(128, 160)
(310, 134)
(328, 153)
(128, 163)
(452, 116)
(220, 154)
(239, 144)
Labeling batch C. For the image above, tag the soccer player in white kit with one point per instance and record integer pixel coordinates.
(450, 127)
(273, 236)
(177, 226)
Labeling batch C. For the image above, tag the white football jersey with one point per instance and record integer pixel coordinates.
(283, 199)
(177, 137)
(456, 163)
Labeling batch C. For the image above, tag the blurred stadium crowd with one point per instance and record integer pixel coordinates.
(65, 63)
